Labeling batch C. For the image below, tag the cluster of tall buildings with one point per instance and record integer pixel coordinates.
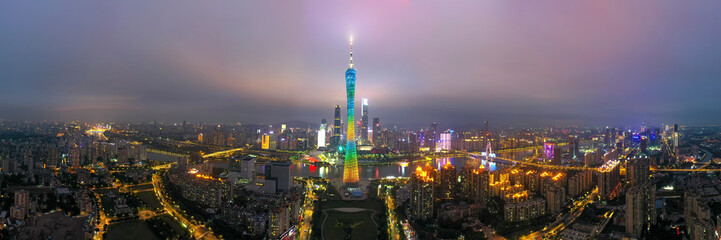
(527, 193)
(367, 134)
(286, 138)
(67, 149)
(428, 186)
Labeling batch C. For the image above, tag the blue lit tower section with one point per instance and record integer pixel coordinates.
(350, 170)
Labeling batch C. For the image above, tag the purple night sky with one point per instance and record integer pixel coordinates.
(455, 62)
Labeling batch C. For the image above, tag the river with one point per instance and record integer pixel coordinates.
(395, 169)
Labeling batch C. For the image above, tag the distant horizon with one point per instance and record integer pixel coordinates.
(441, 126)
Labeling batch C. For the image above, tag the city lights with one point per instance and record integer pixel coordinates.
(534, 121)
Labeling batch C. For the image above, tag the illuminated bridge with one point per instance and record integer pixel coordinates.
(528, 148)
(226, 153)
(539, 165)
(167, 153)
(566, 168)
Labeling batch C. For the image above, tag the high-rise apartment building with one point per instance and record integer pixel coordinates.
(609, 175)
(448, 182)
(700, 211)
(20, 209)
(640, 209)
(555, 198)
(422, 186)
(638, 171)
(475, 183)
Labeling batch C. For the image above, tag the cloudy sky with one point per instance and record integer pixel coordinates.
(455, 62)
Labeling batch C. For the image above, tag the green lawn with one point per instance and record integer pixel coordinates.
(367, 204)
(150, 199)
(131, 230)
(360, 225)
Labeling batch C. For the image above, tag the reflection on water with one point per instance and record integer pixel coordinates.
(398, 169)
(382, 171)
(403, 170)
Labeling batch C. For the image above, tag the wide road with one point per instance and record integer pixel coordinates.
(307, 217)
(393, 231)
(198, 231)
(565, 220)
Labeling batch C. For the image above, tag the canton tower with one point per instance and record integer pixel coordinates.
(350, 170)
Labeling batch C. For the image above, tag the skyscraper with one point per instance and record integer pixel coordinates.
(377, 132)
(219, 136)
(444, 143)
(573, 146)
(265, 141)
(335, 139)
(675, 140)
(350, 170)
(321, 134)
(431, 136)
(607, 137)
(475, 183)
(364, 122)
(449, 180)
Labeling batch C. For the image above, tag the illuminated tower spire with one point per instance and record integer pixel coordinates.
(350, 65)
(350, 170)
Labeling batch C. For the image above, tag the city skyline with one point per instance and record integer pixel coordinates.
(230, 64)
(476, 120)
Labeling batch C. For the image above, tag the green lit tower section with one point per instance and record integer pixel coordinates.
(350, 170)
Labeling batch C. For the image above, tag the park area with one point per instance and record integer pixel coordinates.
(150, 200)
(167, 228)
(349, 220)
(130, 230)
